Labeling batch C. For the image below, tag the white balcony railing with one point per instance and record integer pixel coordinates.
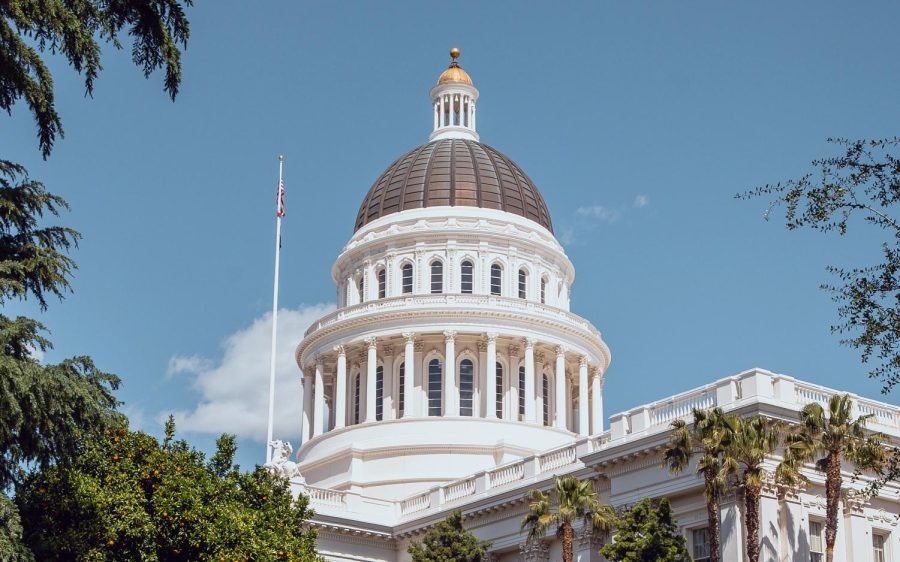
(506, 474)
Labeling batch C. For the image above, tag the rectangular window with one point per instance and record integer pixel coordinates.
(545, 390)
(523, 284)
(382, 285)
(496, 280)
(878, 547)
(521, 391)
(402, 393)
(700, 544)
(379, 393)
(435, 372)
(499, 388)
(466, 277)
(466, 387)
(407, 278)
(816, 544)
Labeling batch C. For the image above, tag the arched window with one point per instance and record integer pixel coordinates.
(523, 284)
(402, 392)
(356, 399)
(546, 399)
(406, 275)
(496, 279)
(543, 291)
(382, 285)
(466, 387)
(379, 393)
(437, 276)
(499, 391)
(522, 390)
(466, 277)
(361, 287)
(435, 372)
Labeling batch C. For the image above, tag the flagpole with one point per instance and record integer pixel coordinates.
(275, 310)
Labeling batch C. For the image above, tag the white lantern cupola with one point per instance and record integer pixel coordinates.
(453, 100)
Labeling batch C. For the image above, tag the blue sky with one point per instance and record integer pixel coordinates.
(638, 122)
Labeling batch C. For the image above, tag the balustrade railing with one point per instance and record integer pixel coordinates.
(459, 489)
(415, 504)
(663, 414)
(556, 459)
(326, 497)
(506, 474)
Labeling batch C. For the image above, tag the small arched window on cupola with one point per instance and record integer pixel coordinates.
(382, 283)
(523, 284)
(496, 279)
(543, 290)
(435, 372)
(466, 277)
(406, 278)
(437, 276)
(361, 288)
(466, 387)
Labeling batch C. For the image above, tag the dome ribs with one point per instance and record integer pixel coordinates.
(454, 172)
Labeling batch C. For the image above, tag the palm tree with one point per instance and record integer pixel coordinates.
(575, 499)
(752, 441)
(707, 437)
(825, 440)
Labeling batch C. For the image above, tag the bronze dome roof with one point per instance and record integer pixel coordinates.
(454, 172)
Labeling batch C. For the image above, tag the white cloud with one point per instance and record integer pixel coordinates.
(234, 390)
(641, 201)
(604, 214)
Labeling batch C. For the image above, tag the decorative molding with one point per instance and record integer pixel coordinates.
(513, 351)
(418, 347)
(482, 346)
(409, 336)
(855, 501)
(388, 351)
(583, 361)
(535, 551)
(371, 342)
(340, 349)
(449, 335)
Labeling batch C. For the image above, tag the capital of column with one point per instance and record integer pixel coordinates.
(528, 342)
(340, 350)
(450, 335)
(482, 346)
(492, 337)
(320, 361)
(409, 336)
(513, 351)
(583, 361)
(560, 350)
(371, 342)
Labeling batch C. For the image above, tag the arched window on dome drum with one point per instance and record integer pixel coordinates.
(499, 391)
(496, 279)
(402, 393)
(523, 284)
(522, 390)
(382, 283)
(406, 275)
(546, 399)
(543, 291)
(466, 277)
(466, 386)
(379, 393)
(437, 276)
(356, 399)
(435, 373)
(361, 286)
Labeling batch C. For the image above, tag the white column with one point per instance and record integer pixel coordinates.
(597, 402)
(769, 520)
(451, 393)
(732, 530)
(561, 411)
(539, 388)
(473, 116)
(491, 377)
(306, 429)
(441, 121)
(389, 406)
(340, 389)
(512, 387)
(409, 374)
(319, 408)
(529, 380)
(371, 365)
(583, 412)
(436, 105)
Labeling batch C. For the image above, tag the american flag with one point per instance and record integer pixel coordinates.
(280, 198)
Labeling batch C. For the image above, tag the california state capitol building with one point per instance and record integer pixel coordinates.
(454, 376)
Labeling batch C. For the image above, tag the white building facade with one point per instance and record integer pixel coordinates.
(453, 376)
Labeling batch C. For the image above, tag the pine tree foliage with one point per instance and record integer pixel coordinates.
(75, 30)
(449, 541)
(647, 533)
(130, 497)
(860, 186)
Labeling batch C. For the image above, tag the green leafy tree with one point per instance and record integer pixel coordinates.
(707, 438)
(449, 540)
(574, 499)
(859, 186)
(826, 439)
(130, 497)
(646, 533)
(753, 441)
(75, 29)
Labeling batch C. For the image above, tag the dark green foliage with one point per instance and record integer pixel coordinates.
(647, 533)
(128, 497)
(860, 185)
(12, 549)
(75, 29)
(449, 541)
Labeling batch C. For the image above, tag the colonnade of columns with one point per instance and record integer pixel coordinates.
(377, 384)
(454, 110)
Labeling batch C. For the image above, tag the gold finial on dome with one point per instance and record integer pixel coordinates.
(454, 73)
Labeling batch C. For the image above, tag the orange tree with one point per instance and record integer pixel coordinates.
(129, 497)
